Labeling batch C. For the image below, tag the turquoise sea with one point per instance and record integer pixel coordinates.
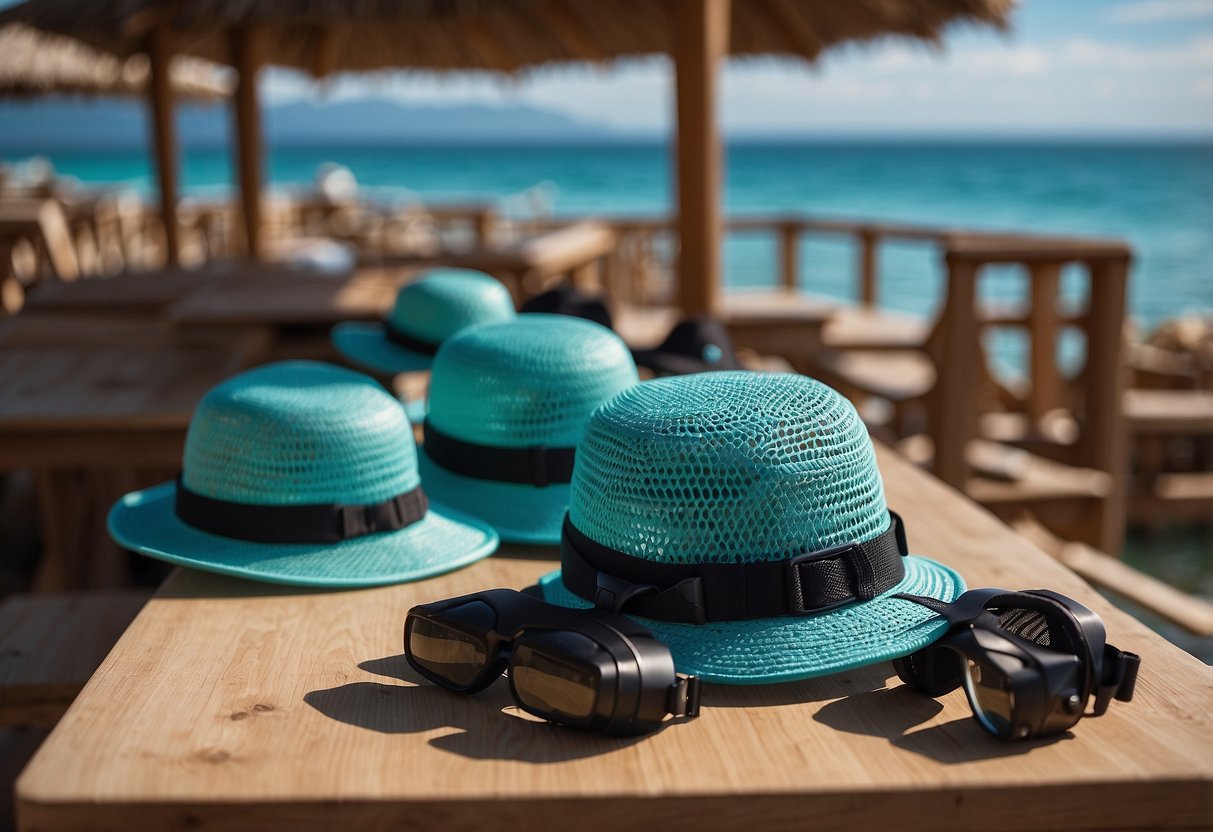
(1159, 197)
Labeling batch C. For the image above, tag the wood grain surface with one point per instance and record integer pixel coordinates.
(303, 301)
(230, 705)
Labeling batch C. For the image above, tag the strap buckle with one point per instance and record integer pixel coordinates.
(684, 696)
(801, 604)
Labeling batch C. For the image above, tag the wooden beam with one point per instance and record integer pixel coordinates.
(160, 98)
(246, 55)
(701, 45)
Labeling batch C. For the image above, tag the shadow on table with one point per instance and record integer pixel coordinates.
(893, 712)
(491, 726)
(848, 683)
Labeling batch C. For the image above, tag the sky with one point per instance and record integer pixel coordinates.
(1067, 67)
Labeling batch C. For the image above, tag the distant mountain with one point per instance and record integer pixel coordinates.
(67, 124)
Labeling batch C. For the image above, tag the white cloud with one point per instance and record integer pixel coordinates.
(1195, 53)
(1159, 11)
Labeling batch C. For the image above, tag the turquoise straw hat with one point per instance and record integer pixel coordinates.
(708, 486)
(508, 404)
(300, 473)
(427, 312)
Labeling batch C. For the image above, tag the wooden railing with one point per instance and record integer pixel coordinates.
(640, 268)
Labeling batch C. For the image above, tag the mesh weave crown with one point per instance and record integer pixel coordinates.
(299, 432)
(531, 381)
(444, 301)
(727, 467)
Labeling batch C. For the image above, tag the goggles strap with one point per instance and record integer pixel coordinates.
(409, 342)
(537, 465)
(696, 593)
(1119, 678)
(313, 523)
(684, 696)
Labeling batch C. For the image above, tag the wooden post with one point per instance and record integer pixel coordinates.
(1043, 325)
(954, 411)
(160, 97)
(246, 55)
(701, 44)
(1105, 439)
(868, 240)
(789, 247)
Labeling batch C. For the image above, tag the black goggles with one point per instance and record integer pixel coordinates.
(589, 669)
(1029, 661)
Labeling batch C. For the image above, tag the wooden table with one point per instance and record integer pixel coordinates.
(87, 396)
(236, 705)
(312, 302)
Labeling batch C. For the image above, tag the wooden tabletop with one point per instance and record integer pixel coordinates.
(111, 390)
(312, 302)
(237, 705)
(152, 292)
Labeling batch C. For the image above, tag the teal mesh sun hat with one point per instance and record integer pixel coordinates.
(704, 506)
(427, 312)
(300, 473)
(508, 404)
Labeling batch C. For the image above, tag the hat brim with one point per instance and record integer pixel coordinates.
(443, 540)
(520, 513)
(789, 648)
(365, 345)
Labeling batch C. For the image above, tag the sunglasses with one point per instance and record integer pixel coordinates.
(1029, 661)
(589, 669)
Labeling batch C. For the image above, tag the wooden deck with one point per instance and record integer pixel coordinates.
(231, 704)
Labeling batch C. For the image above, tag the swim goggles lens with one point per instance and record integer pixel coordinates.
(447, 647)
(550, 683)
(581, 668)
(991, 697)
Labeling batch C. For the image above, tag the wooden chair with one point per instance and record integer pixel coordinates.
(1068, 471)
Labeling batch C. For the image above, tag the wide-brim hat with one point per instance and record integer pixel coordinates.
(707, 471)
(427, 311)
(300, 473)
(508, 403)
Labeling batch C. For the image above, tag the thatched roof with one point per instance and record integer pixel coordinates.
(502, 35)
(37, 63)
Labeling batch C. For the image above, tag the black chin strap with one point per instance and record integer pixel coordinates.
(313, 523)
(403, 339)
(537, 465)
(700, 592)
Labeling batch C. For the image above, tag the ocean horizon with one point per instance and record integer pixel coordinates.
(1157, 195)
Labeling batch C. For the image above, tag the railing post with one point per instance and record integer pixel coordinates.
(789, 254)
(954, 411)
(1105, 441)
(868, 240)
(1043, 323)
